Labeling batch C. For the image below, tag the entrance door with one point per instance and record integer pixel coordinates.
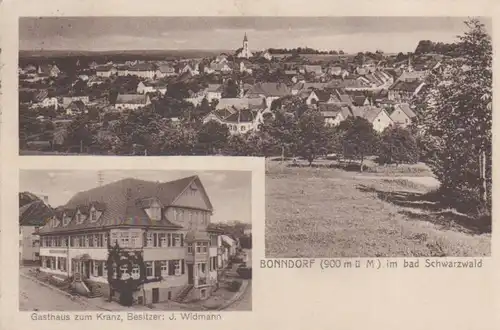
(156, 295)
(190, 274)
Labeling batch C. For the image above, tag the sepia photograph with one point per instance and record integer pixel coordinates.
(135, 240)
(376, 130)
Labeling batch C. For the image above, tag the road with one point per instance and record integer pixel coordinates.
(34, 296)
(245, 301)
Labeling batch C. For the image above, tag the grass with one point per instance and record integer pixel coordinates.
(327, 212)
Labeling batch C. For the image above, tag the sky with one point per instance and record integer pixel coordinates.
(351, 34)
(229, 191)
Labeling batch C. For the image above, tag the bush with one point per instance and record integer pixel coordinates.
(235, 286)
(126, 298)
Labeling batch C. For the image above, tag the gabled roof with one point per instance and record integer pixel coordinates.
(131, 99)
(270, 89)
(359, 100)
(407, 86)
(308, 85)
(367, 112)
(322, 95)
(122, 203)
(166, 68)
(332, 110)
(240, 103)
(405, 107)
(241, 116)
(142, 67)
(35, 213)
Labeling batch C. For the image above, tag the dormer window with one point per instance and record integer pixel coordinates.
(155, 213)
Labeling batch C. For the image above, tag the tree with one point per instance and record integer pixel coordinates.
(458, 120)
(312, 136)
(178, 140)
(231, 89)
(213, 136)
(397, 145)
(358, 138)
(120, 279)
(283, 129)
(424, 47)
(79, 133)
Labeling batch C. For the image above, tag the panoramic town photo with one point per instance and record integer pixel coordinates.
(135, 240)
(376, 130)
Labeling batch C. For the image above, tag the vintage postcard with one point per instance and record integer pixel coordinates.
(154, 154)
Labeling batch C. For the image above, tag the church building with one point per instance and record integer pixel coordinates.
(245, 51)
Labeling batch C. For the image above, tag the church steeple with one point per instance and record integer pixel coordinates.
(245, 39)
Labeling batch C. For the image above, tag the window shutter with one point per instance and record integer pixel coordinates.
(182, 266)
(157, 268)
(169, 239)
(182, 240)
(145, 239)
(171, 267)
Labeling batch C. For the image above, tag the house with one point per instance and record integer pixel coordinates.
(267, 55)
(361, 100)
(334, 114)
(378, 117)
(233, 104)
(412, 76)
(403, 115)
(213, 91)
(48, 70)
(167, 223)
(221, 58)
(75, 107)
(246, 66)
(165, 71)
(34, 211)
(142, 70)
(268, 90)
(144, 87)
(122, 70)
(306, 86)
(230, 245)
(131, 101)
(218, 115)
(105, 71)
(241, 121)
(67, 100)
(222, 67)
(314, 69)
(404, 91)
(321, 96)
(192, 69)
(337, 71)
(48, 102)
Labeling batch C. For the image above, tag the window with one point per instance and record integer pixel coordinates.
(124, 272)
(243, 128)
(96, 266)
(93, 216)
(176, 240)
(104, 269)
(201, 247)
(124, 239)
(114, 271)
(90, 239)
(136, 272)
(113, 238)
(177, 267)
(163, 240)
(164, 268)
(81, 241)
(149, 269)
(149, 239)
(190, 248)
(134, 239)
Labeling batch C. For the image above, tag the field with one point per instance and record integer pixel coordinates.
(329, 212)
